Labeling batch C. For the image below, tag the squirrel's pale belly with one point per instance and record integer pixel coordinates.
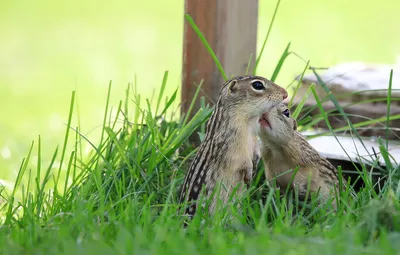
(239, 168)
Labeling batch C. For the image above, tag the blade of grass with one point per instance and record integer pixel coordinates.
(105, 112)
(205, 43)
(248, 64)
(299, 106)
(169, 102)
(46, 178)
(77, 140)
(18, 180)
(266, 37)
(385, 154)
(71, 160)
(389, 96)
(39, 165)
(278, 67)
(162, 89)
(192, 103)
(71, 109)
(298, 85)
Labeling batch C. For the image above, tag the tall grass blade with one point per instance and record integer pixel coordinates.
(189, 111)
(105, 112)
(389, 97)
(298, 84)
(266, 37)
(205, 43)
(162, 89)
(248, 64)
(18, 180)
(71, 109)
(300, 105)
(278, 67)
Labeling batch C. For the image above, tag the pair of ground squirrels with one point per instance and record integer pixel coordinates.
(284, 148)
(229, 153)
(249, 107)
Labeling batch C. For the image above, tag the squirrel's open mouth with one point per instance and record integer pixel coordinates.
(264, 120)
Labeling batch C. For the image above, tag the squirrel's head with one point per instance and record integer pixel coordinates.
(251, 95)
(277, 126)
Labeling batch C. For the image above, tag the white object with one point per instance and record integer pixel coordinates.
(329, 147)
(358, 76)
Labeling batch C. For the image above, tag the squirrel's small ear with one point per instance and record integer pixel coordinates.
(294, 125)
(232, 86)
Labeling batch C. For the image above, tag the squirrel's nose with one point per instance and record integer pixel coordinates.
(285, 94)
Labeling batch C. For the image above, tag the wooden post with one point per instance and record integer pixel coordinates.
(230, 27)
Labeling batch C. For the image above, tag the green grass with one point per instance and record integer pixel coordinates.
(122, 199)
(120, 195)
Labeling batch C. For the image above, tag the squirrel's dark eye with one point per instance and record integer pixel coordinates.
(257, 85)
(286, 112)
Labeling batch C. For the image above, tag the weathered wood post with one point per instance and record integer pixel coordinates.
(230, 27)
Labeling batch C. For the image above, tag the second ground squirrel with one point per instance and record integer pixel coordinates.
(229, 152)
(284, 148)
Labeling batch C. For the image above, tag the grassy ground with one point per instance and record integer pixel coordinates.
(118, 194)
(122, 199)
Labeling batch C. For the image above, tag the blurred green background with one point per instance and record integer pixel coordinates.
(48, 49)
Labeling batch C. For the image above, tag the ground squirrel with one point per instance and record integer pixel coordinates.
(284, 148)
(229, 152)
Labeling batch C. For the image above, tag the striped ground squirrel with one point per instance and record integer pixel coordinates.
(229, 152)
(284, 148)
